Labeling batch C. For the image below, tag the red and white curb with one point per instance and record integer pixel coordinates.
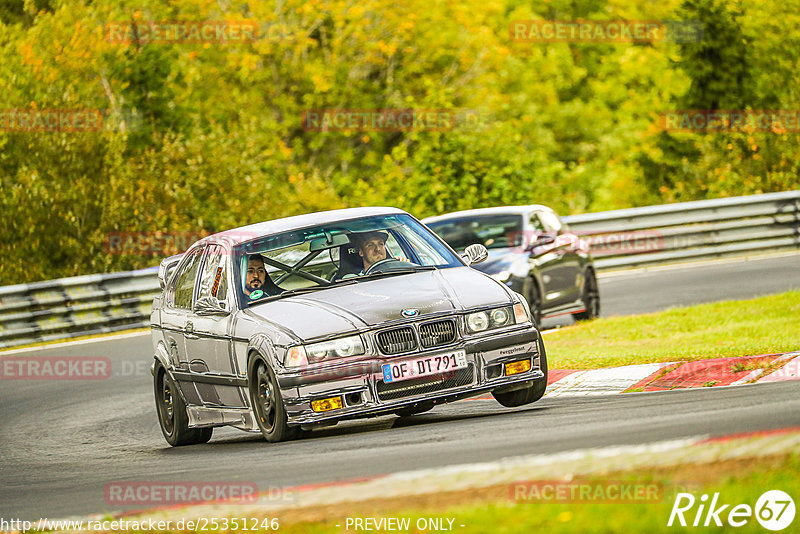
(600, 381)
(674, 375)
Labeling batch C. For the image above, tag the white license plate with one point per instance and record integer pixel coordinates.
(427, 366)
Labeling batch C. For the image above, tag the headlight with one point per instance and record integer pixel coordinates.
(477, 322)
(325, 350)
(487, 320)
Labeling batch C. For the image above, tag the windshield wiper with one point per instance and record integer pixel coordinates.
(392, 272)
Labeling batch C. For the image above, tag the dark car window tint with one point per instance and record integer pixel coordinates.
(184, 287)
(213, 277)
(551, 221)
(492, 231)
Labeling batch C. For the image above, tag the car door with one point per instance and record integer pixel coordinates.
(176, 314)
(208, 340)
(567, 273)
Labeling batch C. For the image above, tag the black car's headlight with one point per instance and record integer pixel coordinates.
(496, 318)
(343, 347)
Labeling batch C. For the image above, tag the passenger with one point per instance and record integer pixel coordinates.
(256, 276)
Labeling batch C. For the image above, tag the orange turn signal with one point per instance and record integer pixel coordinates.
(324, 405)
(514, 368)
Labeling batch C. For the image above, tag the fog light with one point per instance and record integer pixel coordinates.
(515, 368)
(324, 405)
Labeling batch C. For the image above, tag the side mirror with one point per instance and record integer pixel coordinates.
(210, 306)
(475, 254)
(166, 268)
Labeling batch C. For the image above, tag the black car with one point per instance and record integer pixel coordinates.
(531, 251)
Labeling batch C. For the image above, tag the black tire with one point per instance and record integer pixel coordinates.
(521, 397)
(267, 403)
(534, 299)
(591, 298)
(172, 415)
(421, 407)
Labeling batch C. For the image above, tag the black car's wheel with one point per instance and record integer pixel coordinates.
(534, 392)
(267, 402)
(415, 409)
(172, 414)
(591, 298)
(534, 299)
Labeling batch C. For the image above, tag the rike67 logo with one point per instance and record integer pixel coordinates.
(774, 510)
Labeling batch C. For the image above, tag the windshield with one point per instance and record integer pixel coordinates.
(342, 252)
(491, 231)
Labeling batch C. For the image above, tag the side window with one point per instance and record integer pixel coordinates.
(213, 278)
(394, 250)
(551, 221)
(184, 286)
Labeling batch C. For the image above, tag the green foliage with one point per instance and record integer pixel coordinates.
(200, 137)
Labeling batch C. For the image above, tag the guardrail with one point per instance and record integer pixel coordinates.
(635, 237)
(77, 306)
(697, 230)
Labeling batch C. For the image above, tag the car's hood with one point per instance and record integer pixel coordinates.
(373, 302)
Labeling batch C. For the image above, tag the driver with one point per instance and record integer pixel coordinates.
(371, 247)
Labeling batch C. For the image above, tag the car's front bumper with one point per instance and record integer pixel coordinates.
(364, 393)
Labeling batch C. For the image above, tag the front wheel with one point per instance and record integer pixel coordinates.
(534, 303)
(591, 298)
(267, 402)
(521, 397)
(172, 415)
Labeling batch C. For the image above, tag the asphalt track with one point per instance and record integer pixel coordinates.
(63, 441)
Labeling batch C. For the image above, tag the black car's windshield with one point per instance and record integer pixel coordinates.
(341, 252)
(491, 231)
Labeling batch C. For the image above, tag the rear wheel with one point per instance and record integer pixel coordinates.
(267, 402)
(172, 415)
(591, 298)
(534, 392)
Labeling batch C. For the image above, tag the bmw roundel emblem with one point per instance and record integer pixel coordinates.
(410, 312)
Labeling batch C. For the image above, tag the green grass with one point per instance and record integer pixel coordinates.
(764, 325)
(506, 516)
